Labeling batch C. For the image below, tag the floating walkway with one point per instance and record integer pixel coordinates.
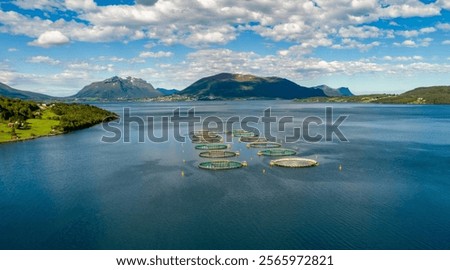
(218, 154)
(277, 152)
(294, 163)
(222, 165)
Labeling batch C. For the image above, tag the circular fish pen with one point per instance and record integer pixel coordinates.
(264, 145)
(242, 133)
(216, 139)
(249, 139)
(218, 154)
(277, 152)
(203, 134)
(222, 165)
(211, 147)
(294, 163)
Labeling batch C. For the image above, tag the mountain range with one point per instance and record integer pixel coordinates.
(7, 91)
(220, 86)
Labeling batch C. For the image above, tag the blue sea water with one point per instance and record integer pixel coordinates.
(392, 192)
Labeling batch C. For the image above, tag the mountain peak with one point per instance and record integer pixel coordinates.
(119, 88)
(228, 85)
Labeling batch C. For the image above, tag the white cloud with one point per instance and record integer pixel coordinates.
(425, 42)
(40, 59)
(80, 5)
(403, 58)
(12, 49)
(50, 38)
(443, 26)
(410, 8)
(360, 32)
(443, 3)
(158, 54)
(88, 66)
(427, 30)
(415, 33)
(353, 44)
(39, 4)
(446, 42)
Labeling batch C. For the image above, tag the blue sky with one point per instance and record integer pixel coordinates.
(372, 46)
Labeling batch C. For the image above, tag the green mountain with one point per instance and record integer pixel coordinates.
(7, 91)
(428, 95)
(421, 95)
(232, 86)
(335, 92)
(118, 88)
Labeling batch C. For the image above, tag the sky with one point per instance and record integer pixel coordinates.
(371, 46)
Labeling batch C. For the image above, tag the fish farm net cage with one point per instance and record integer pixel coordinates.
(203, 132)
(264, 145)
(242, 133)
(211, 147)
(197, 135)
(217, 139)
(222, 165)
(218, 154)
(277, 152)
(250, 139)
(294, 163)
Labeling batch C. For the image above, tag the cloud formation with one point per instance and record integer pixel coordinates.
(297, 39)
(205, 22)
(50, 38)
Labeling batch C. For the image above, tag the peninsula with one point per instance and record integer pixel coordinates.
(24, 120)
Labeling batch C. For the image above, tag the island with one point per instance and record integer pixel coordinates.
(24, 120)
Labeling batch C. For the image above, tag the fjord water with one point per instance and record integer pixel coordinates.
(392, 192)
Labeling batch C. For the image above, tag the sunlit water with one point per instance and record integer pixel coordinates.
(393, 191)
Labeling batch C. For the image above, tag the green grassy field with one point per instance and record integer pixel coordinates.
(36, 128)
